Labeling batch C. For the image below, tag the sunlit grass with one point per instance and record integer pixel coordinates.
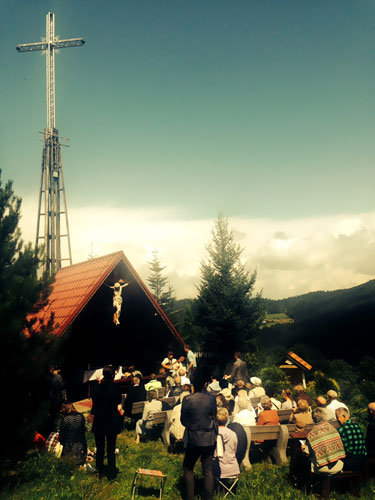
(45, 477)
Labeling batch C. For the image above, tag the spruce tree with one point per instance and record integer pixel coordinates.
(158, 283)
(24, 353)
(227, 314)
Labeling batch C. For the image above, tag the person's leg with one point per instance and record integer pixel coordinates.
(138, 430)
(207, 454)
(111, 455)
(99, 441)
(191, 456)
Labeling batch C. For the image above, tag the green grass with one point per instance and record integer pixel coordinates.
(43, 477)
(274, 316)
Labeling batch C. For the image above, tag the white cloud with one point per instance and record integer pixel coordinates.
(291, 256)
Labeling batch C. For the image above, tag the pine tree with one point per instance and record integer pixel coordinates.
(24, 353)
(227, 314)
(159, 285)
(156, 280)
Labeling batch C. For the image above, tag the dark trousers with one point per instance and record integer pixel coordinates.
(100, 438)
(354, 462)
(192, 454)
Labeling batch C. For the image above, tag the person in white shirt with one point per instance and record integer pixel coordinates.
(257, 390)
(182, 374)
(333, 402)
(246, 414)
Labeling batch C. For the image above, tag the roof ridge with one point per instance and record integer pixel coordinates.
(120, 253)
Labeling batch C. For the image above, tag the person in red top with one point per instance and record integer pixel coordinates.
(268, 416)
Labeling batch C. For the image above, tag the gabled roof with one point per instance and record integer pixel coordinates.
(75, 285)
(297, 360)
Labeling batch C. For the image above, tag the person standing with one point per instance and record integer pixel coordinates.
(239, 370)
(191, 360)
(198, 415)
(107, 412)
(56, 397)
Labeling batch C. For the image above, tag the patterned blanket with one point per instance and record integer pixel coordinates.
(326, 444)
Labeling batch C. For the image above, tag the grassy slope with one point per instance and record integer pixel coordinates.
(44, 477)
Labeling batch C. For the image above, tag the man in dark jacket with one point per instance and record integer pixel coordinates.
(135, 394)
(239, 370)
(106, 413)
(198, 415)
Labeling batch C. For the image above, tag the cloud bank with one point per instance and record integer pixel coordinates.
(291, 256)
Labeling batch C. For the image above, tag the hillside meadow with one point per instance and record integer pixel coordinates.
(44, 477)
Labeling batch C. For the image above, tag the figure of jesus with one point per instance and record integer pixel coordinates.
(117, 300)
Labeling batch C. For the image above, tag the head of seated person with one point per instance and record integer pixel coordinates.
(177, 381)
(152, 395)
(136, 380)
(319, 415)
(67, 408)
(187, 388)
(221, 401)
(222, 416)
(182, 372)
(240, 384)
(242, 393)
(303, 406)
(266, 403)
(243, 403)
(321, 402)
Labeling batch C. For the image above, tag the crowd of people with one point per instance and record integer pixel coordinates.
(211, 409)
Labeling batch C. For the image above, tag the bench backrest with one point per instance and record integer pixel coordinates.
(159, 417)
(162, 391)
(264, 432)
(284, 415)
(137, 408)
(292, 427)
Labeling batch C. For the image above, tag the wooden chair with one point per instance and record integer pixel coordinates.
(354, 478)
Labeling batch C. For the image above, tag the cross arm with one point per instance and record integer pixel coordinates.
(71, 42)
(29, 47)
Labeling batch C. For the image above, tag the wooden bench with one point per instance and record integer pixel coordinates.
(168, 403)
(162, 391)
(284, 415)
(279, 433)
(161, 423)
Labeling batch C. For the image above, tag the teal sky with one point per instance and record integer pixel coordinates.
(256, 108)
(177, 109)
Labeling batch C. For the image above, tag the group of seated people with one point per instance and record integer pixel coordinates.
(324, 449)
(234, 404)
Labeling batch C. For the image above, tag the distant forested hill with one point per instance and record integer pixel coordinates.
(341, 324)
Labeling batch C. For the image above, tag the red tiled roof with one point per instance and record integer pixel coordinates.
(75, 285)
(299, 361)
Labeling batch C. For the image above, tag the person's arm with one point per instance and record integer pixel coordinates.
(166, 365)
(184, 411)
(145, 412)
